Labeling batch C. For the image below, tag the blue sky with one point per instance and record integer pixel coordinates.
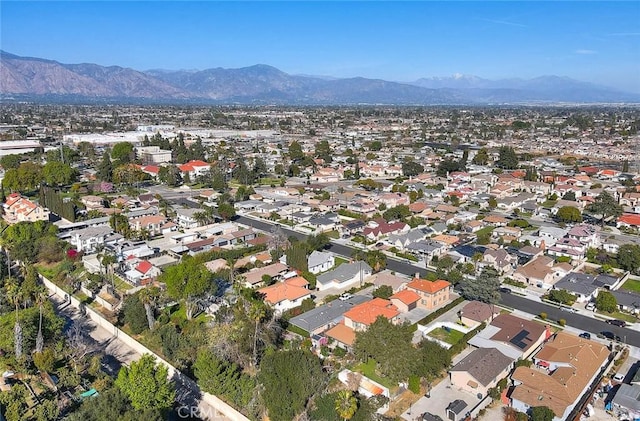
(591, 41)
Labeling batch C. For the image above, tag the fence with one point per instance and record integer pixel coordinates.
(211, 407)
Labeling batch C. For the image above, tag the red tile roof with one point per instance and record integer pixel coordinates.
(406, 296)
(630, 219)
(367, 313)
(144, 267)
(428, 286)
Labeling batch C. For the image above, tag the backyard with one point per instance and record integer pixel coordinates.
(631, 285)
(450, 336)
(368, 369)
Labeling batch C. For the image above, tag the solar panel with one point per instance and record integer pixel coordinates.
(519, 339)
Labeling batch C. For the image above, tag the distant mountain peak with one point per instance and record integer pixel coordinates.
(264, 84)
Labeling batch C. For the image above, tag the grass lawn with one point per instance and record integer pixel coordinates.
(338, 261)
(485, 231)
(333, 234)
(631, 285)
(369, 369)
(120, 284)
(619, 315)
(269, 181)
(452, 337)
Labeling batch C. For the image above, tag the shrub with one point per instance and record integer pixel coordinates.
(339, 352)
(562, 322)
(543, 316)
(414, 384)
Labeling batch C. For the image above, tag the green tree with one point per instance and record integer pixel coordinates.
(346, 404)
(605, 206)
(170, 175)
(628, 257)
(397, 213)
(289, 379)
(542, 413)
(484, 288)
(24, 239)
(507, 158)
(128, 174)
(492, 202)
(226, 211)
(297, 256)
(569, 214)
(324, 151)
(433, 359)
(146, 384)
(383, 291)
(122, 153)
(562, 296)
(295, 152)
(189, 281)
(112, 404)
(58, 174)
(411, 168)
(481, 157)
(318, 242)
(223, 378)
(134, 314)
(390, 346)
(105, 168)
(606, 301)
(10, 161)
(27, 177)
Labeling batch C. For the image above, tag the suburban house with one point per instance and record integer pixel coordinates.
(254, 278)
(153, 224)
(380, 228)
(512, 336)
(481, 370)
(142, 272)
(89, 239)
(626, 402)
(475, 312)
(92, 202)
(320, 261)
(564, 369)
(326, 316)
(344, 276)
(432, 295)
(584, 286)
(499, 259)
(287, 294)
(195, 168)
(362, 315)
(20, 209)
(185, 218)
(387, 278)
(628, 220)
(405, 300)
(541, 272)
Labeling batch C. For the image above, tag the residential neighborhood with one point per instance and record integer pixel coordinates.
(438, 264)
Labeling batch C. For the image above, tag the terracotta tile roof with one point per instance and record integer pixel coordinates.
(578, 360)
(342, 333)
(630, 219)
(406, 296)
(367, 313)
(428, 286)
(282, 291)
(298, 281)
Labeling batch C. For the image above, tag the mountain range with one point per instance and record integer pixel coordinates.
(36, 79)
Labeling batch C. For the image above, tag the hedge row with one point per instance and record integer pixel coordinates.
(439, 312)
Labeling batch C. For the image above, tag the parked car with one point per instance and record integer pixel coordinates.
(590, 306)
(617, 322)
(619, 377)
(610, 335)
(345, 296)
(569, 309)
(585, 335)
(505, 290)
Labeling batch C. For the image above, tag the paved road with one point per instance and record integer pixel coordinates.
(576, 320)
(340, 249)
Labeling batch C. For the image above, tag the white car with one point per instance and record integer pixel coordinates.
(590, 306)
(345, 296)
(619, 377)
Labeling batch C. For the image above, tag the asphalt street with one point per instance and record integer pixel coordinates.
(578, 321)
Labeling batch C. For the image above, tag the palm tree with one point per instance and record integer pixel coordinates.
(257, 311)
(346, 404)
(107, 261)
(41, 298)
(14, 293)
(148, 297)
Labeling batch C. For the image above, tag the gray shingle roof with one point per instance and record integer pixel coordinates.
(484, 364)
(343, 273)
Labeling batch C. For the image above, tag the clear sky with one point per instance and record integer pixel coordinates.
(403, 41)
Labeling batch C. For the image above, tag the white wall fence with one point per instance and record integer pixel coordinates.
(435, 325)
(210, 407)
